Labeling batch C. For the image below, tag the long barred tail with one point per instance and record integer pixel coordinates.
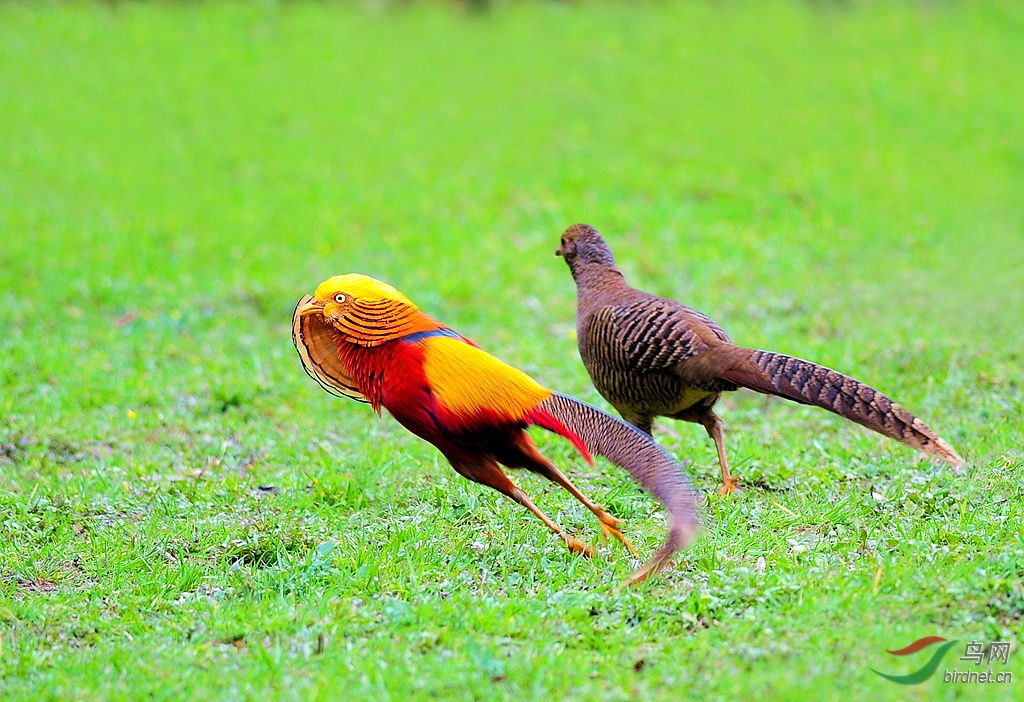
(647, 463)
(811, 384)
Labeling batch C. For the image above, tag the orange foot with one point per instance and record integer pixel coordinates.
(610, 527)
(577, 546)
(728, 485)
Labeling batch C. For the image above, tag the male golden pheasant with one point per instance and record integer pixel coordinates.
(654, 357)
(361, 338)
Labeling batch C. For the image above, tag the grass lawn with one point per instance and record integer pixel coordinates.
(186, 515)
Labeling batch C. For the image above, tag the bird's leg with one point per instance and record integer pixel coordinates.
(487, 472)
(574, 544)
(713, 424)
(609, 524)
(706, 417)
(523, 453)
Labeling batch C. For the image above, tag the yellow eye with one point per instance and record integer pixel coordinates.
(339, 298)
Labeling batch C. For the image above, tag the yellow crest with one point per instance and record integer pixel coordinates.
(360, 287)
(366, 311)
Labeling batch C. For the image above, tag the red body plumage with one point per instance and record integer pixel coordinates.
(392, 376)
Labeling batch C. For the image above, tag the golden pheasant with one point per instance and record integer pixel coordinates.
(654, 357)
(361, 338)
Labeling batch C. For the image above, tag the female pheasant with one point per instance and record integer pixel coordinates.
(654, 357)
(361, 338)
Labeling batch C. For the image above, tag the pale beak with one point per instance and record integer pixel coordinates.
(558, 251)
(309, 305)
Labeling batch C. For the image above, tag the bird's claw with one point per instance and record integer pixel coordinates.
(577, 546)
(728, 486)
(611, 528)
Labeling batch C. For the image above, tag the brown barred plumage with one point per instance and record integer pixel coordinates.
(651, 356)
(811, 384)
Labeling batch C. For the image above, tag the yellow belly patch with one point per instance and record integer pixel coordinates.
(690, 397)
(469, 381)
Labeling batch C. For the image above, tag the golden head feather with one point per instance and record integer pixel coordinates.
(366, 311)
(361, 287)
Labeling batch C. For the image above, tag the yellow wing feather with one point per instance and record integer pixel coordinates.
(469, 381)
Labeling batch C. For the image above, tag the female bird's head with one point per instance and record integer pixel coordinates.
(366, 311)
(582, 244)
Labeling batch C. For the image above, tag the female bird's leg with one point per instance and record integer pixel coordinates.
(521, 452)
(487, 472)
(706, 417)
(713, 425)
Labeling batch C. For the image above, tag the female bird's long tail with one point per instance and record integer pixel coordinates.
(647, 463)
(811, 384)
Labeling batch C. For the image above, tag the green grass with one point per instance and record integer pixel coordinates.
(186, 515)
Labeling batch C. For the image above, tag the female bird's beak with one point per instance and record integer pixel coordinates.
(558, 251)
(309, 305)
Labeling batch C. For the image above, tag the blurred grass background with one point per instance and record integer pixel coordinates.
(840, 181)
